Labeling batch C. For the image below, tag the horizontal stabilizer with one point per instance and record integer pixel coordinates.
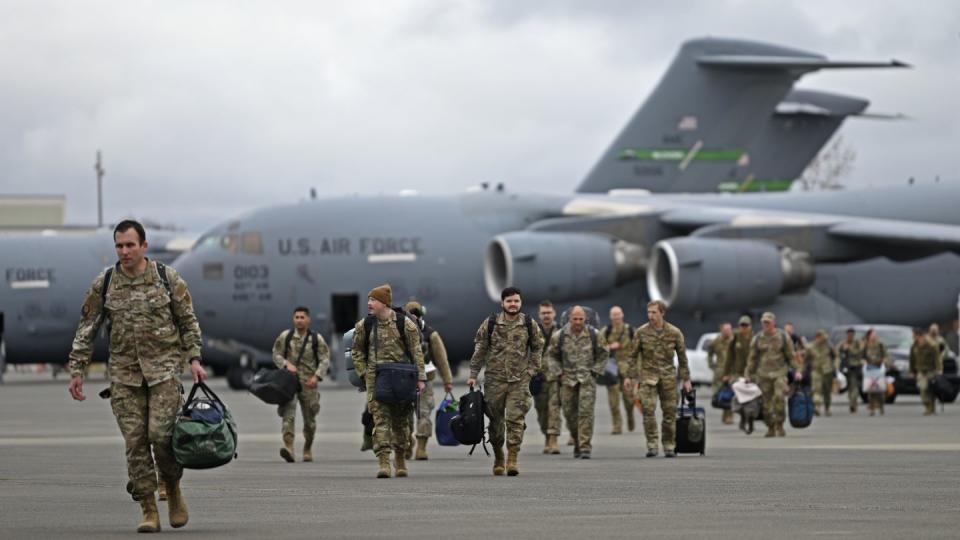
(800, 63)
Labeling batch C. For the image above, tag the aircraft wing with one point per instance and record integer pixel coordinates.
(909, 234)
(794, 63)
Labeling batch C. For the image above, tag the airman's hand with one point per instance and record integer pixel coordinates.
(798, 376)
(726, 378)
(471, 382)
(687, 386)
(311, 382)
(614, 346)
(290, 367)
(448, 387)
(76, 388)
(199, 374)
(421, 386)
(628, 385)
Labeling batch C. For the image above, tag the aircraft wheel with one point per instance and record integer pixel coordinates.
(239, 378)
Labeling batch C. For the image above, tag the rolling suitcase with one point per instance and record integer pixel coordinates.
(691, 426)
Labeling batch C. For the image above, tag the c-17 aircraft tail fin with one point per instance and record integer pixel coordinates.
(694, 131)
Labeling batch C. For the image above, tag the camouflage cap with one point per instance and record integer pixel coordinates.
(745, 319)
(821, 332)
(768, 316)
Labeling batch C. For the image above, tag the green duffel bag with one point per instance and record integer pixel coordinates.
(205, 435)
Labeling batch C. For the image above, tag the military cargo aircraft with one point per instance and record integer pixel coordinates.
(721, 102)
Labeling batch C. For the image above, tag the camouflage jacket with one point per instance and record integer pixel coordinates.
(652, 359)
(506, 355)
(386, 346)
(925, 357)
(308, 364)
(145, 342)
(580, 361)
(771, 356)
(876, 354)
(850, 353)
(623, 336)
(821, 358)
(547, 334)
(718, 351)
(736, 363)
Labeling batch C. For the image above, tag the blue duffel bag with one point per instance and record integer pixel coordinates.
(800, 407)
(449, 408)
(396, 382)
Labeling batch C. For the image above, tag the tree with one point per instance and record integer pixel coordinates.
(830, 167)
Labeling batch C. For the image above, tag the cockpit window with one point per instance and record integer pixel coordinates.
(229, 243)
(251, 243)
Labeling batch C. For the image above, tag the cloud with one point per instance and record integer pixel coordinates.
(207, 109)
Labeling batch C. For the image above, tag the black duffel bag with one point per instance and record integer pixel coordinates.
(274, 386)
(942, 389)
(396, 382)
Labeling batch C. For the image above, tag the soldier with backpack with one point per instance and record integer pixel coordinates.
(822, 362)
(151, 326)
(656, 377)
(304, 353)
(434, 359)
(618, 339)
(508, 346)
(577, 358)
(771, 355)
(387, 354)
(547, 401)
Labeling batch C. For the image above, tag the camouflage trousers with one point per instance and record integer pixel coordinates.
(616, 395)
(391, 422)
(926, 393)
(145, 415)
(547, 403)
(508, 403)
(426, 404)
(666, 390)
(854, 382)
(822, 389)
(309, 399)
(578, 406)
(775, 391)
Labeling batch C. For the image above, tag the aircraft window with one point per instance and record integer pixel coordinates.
(251, 243)
(229, 243)
(213, 271)
(206, 242)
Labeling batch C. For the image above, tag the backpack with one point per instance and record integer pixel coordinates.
(800, 407)
(314, 339)
(274, 386)
(609, 328)
(467, 426)
(527, 323)
(370, 320)
(352, 376)
(448, 409)
(204, 435)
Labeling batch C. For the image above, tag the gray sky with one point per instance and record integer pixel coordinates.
(207, 109)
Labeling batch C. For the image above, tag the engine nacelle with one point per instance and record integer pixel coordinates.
(559, 266)
(704, 274)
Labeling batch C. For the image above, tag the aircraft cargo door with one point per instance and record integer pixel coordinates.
(345, 312)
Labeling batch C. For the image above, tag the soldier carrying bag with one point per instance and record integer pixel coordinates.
(204, 435)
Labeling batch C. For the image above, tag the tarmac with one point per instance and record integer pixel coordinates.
(62, 475)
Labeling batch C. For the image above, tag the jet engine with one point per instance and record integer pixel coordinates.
(560, 266)
(704, 274)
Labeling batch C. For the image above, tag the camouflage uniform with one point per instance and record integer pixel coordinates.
(437, 355)
(577, 367)
(768, 363)
(851, 357)
(652, 366)
(301, 355)
(718, 351)
(823, 369)
(926, 363)
(616, 393)
(547, 402)
(391, 421)
(147, 346)
(876, 355)
(736, 362)
(509, 360)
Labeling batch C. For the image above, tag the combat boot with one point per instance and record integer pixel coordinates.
(771, 430)
(512, 469)
(177, 506)
(780, 431)
(162, 491)
(384, 471)
(421, 449)
(307, 445)
(400, 464)
(408, 449)
(552, 447)
(151, 517)
(570, 441)
(727, 417)
(287, 451)
(498, 461)
(617, 430)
